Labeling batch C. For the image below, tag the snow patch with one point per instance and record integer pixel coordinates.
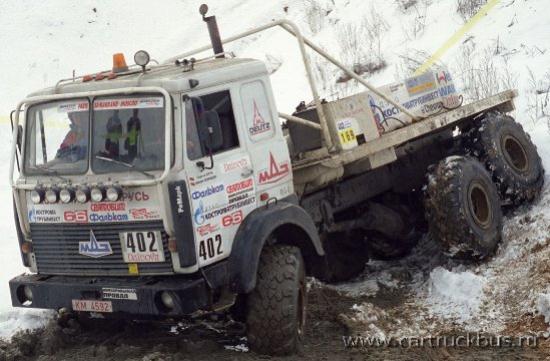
(366, 319)
(17, 319)
(455, 294)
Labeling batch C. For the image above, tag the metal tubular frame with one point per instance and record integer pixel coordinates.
(293, 29)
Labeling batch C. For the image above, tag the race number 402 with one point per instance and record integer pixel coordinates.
(210, 247)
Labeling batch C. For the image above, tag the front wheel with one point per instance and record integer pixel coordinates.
(276, 308)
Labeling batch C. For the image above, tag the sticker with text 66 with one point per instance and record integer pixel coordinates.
(232, 219)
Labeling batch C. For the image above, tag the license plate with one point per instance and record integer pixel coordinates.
(92, 306)
(142, 247)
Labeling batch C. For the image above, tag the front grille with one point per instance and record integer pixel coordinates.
(56, 249)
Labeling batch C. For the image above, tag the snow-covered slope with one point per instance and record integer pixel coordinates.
(42, 42)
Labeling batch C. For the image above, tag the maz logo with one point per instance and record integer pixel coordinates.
(275, 173)
(93, 248)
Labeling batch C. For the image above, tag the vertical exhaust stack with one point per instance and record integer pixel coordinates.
(213, 30)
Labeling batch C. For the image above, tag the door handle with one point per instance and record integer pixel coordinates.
(247, 172)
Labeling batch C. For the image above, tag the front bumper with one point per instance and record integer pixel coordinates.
(56, 292)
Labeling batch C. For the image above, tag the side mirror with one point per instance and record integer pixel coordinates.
(211, 130)
(19, 137)
(19, 131)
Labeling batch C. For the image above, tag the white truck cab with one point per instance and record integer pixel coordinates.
(173, 190)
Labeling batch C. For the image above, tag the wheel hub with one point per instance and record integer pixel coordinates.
(479, 205)
(515, 154)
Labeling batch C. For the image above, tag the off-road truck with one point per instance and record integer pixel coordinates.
(172, 190)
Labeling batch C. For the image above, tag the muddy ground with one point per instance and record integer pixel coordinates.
(224, 340)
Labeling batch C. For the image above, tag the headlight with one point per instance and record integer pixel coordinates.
(52, 196)
(141, 58)
(82, 195)
(37, 195)
(97, 194)
(66, 195)
(114, 193)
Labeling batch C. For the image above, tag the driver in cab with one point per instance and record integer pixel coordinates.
(75, 143)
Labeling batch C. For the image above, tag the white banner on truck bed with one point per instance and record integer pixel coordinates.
(423, 95)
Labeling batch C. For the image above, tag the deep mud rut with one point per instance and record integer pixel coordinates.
(224, 340)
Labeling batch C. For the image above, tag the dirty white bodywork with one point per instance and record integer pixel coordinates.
(243, 178)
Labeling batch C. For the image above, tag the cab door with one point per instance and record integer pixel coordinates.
(265, 140)
(220, 181)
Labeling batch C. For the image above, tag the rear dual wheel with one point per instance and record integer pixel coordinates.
(508, 153)
(463, 207)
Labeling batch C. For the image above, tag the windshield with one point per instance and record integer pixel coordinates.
(128, 133)
(57, 137)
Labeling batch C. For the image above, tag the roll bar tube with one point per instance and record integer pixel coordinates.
(293, 29)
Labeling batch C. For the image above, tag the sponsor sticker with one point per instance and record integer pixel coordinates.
(236, 164)
(143, 214)
(259, 125)
(129, 103)
(207, 229)
(119, 294)
(420, 84)
(201, 215)
(232, 219)
(241, 186)
(202, 178)
(37, 215)
(75, 216)
(108, 207)
(137, 196)
(208, 191)
(179, 199)
(344, 124)
(443, 77)
(238, 197)
(275, 172)
(73, 106)
(108, 217)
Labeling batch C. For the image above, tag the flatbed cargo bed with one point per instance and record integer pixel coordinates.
(502, 101)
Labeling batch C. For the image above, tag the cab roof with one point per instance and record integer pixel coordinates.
(171, 77)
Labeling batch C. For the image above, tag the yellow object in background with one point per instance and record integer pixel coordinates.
(457, 36)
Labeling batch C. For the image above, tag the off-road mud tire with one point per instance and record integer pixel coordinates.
(277, 305)
(508, 153)
(463, 207)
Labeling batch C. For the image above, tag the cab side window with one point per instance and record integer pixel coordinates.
(219, 102)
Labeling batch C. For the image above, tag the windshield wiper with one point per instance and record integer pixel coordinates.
(127, 165)
(52, 172)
